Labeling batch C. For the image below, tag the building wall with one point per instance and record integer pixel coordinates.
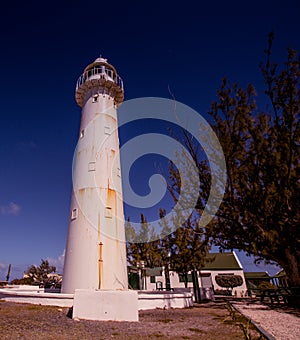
(175, 281)
(152, 285)
(238, 291)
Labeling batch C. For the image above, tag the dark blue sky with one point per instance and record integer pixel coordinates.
(185, 46)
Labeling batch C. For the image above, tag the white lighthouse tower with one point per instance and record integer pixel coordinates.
(95, 266)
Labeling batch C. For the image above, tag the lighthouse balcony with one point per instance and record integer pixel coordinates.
(100, 72)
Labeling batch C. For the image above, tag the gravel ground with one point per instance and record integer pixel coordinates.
(205, 321)
(281, 322)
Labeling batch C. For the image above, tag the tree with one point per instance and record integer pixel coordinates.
(260, 210)
(189, 248)
(41, 273)
(190, 242)
(182, 251)
(142, 252)
(181, 245)
(139, 247)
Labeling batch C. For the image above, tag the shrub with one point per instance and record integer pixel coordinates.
(24, 281)
(266, 285)
(229, 281)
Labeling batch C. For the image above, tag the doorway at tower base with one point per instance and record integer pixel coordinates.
(106, 305)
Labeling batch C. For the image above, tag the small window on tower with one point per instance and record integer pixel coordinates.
(74, 214)
(108, 212)
(92, 166)
(81, 134)
(107, 130)
(95, 98)
(118, 172)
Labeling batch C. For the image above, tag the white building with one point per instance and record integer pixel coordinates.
(217, 264)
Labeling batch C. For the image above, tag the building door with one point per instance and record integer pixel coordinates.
(206, 281)
(133, 281)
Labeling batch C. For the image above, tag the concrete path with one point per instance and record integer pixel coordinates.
(280, 323)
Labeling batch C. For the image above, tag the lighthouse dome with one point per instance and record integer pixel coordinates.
(103, 66)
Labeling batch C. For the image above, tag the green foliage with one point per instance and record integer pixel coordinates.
(266, 285)
(139, 248)
(245, 329)
(182, 244)
(260, 210)
(188, 248)
(40, 274)
(181, 251)
(189, 242)
(229, 281)
(24, 281)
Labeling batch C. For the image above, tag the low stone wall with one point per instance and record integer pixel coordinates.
(152, 300)
(146, 300)
(37, 297)
(206, 293)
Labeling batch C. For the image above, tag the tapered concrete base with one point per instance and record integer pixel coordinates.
(106, 305)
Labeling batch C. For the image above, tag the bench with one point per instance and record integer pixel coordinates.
(280, 295)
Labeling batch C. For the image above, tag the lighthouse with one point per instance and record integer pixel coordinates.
(95, 267)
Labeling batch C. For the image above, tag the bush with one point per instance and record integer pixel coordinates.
(229, 281)
(266, 285)
(24, 281)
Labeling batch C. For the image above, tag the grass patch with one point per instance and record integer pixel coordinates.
(217, 318)
(35, 321)
(229, 322)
